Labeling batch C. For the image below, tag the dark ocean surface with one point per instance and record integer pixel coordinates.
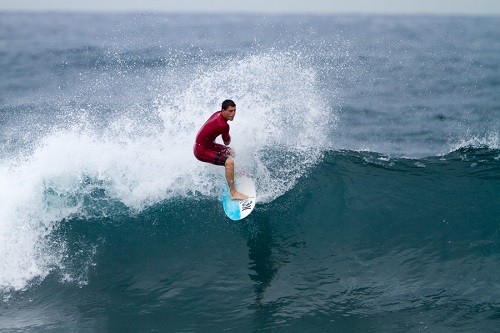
(373, 141)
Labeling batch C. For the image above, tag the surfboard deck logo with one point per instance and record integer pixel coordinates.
(239, 209)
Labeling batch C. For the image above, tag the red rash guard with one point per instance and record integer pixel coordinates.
(205, 149)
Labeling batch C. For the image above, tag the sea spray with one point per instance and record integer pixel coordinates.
(279, 107)
(140, 159)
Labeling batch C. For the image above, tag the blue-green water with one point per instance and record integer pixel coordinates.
(373, 142)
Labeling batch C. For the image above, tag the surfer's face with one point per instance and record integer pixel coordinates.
(229, 113)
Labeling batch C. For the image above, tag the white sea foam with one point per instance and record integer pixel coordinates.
(278, 133)
(490, 140)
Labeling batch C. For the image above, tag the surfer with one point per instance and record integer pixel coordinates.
(206, 150)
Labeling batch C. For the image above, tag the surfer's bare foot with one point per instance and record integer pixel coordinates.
(235, 195)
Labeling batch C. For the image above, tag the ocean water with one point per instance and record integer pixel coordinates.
(373, 140)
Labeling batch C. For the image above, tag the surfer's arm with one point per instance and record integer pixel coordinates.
(225, 136)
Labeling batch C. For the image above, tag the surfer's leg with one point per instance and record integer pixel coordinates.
(230, 180)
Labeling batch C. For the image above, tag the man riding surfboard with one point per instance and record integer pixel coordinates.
(207, 150)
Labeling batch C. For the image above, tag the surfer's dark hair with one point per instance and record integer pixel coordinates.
(227, 103)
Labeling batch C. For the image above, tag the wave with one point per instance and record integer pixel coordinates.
(444, 209)
(141, 157)
(378, 203)
(350, 232)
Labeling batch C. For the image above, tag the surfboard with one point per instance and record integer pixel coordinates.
(239, 209)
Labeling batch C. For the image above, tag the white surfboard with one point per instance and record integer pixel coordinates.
(239, 209)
